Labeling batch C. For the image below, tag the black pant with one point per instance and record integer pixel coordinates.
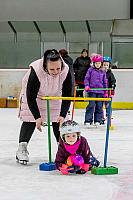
(28, 128)
(79, 93)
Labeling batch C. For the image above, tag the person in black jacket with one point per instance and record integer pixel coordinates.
(69, 61)
(81, 66)
(111, 80)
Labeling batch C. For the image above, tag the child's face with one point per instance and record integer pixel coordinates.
(106, 65)
(97, 64)
(103, 68)
(71, 138)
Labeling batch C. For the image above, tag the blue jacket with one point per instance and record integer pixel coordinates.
(95, 78)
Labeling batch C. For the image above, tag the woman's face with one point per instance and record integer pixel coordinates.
(54, 67)
(71, 138)
(84, 54)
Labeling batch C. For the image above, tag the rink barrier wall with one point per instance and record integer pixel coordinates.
(10, 84)
(115, 105)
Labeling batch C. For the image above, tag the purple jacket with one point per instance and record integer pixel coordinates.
(95, 78)
(62, 154)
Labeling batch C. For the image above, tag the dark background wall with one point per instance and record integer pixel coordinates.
(102, 26)
(131, 9)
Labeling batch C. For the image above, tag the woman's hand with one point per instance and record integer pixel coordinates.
(39, 123)
(60, 120)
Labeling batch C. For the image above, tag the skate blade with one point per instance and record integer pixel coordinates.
(89, 127)
(97, 125)
(45, 124)
(22, 162)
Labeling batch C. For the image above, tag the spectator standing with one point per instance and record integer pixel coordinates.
(81, 65)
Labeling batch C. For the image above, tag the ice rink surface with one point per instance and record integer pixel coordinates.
(18, 182)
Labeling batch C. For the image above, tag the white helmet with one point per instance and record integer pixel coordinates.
(69, 127)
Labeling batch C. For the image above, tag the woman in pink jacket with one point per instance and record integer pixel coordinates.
(48, 76)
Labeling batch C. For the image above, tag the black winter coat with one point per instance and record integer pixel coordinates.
(111, 79)
(69, 61)
(81, 66)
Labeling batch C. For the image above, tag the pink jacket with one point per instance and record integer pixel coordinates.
(49, 86)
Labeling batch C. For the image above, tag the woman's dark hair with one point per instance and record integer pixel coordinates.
(84, 50)
(63, 52)
(52, 55)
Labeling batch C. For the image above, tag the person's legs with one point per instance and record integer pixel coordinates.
(26, 131)
(107, 108)
(103, 117)
(90, 109)
(98, 109)
(56, 131)
(79, 93)
(81, 86)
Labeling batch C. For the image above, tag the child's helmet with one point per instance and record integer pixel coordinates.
(92, 55)
(97, 58)
(107, 59)
(69, 127)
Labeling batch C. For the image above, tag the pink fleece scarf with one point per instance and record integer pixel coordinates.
(72, 148)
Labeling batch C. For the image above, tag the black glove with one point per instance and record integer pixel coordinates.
(93, 161)
(113, 87)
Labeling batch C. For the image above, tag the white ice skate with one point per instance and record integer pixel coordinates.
(96, 124)
(22, 153)
(88, 124)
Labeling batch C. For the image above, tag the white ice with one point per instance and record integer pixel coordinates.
(28, 183)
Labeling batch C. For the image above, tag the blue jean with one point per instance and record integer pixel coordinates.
(107, 107)
(94, 107)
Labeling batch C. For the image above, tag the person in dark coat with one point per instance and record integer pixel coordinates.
(81, 65)
(69, 61)
(73, 155)
(111, 80)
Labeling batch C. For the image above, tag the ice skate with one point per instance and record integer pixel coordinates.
(88, 124)
(22, 153)
(96, 124)
(102, 122)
